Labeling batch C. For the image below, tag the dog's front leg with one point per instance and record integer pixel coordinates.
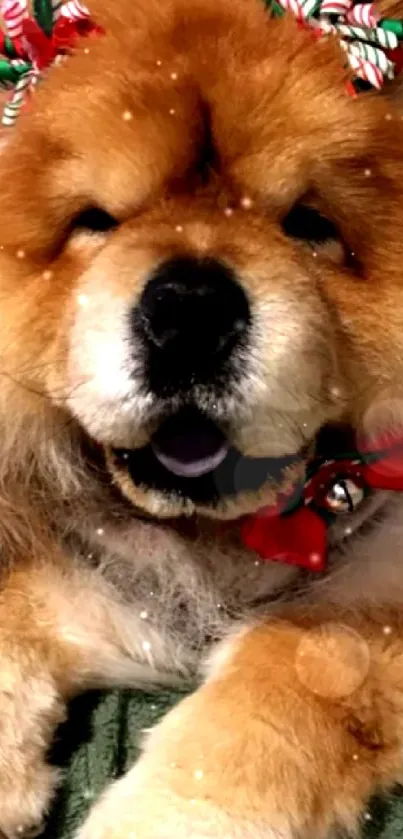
(298, 723)
(58, 636)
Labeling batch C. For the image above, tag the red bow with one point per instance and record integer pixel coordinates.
(299, 536)
(41, 49)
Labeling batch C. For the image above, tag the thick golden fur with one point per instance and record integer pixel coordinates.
(181, 111)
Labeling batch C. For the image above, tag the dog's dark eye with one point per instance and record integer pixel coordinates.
(94, 219)
(308, 224)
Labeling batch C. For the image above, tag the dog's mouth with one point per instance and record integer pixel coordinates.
(189, 447)
(190, 457)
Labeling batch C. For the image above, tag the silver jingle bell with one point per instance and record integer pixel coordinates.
(344, 496)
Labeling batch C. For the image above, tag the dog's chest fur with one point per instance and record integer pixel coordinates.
(175, 596)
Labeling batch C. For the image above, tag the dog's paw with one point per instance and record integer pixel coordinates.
(25, 795)
(30, 710)
(139, 807)
(131, 809)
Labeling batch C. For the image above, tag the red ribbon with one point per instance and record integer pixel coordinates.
(299, 537)
(42, 50)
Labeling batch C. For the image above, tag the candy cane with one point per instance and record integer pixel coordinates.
(366, 71)
(366, 52)
(14, 13)
(363, 14)
(334, 7)
(13, 107)
(387, 40)
(363, 35)
(73, 10)
(294, 6)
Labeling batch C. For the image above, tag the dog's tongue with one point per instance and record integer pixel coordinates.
(189, 445)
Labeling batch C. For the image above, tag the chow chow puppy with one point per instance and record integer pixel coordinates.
(200, 288)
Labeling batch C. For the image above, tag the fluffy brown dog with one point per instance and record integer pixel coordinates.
(200, 269)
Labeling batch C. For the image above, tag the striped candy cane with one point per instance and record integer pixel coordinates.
(334, 7)
(73, 10)
(293, 6)
(374, 56)
(13, 107)
(366, 71)
(363, 35)
(14, 13)
(20, 53)
(363, 14)
(387, 40)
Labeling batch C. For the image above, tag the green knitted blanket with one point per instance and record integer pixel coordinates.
(101, 740)
(97, 744)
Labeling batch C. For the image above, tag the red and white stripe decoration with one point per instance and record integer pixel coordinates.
(363, 14)
(366, 71)
(21, 90)
(335, 7)
(14, 13)
(74, 10)
(293, 6)
(365, 37)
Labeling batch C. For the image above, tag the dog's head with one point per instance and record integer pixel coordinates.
(201, 253)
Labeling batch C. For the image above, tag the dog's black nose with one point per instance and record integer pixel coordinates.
(193, 305)
(191, 314)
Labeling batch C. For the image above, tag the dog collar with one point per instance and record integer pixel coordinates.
(295, 530)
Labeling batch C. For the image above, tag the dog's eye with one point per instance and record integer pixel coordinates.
(307, 224)
(94, 219)
(317, 232)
